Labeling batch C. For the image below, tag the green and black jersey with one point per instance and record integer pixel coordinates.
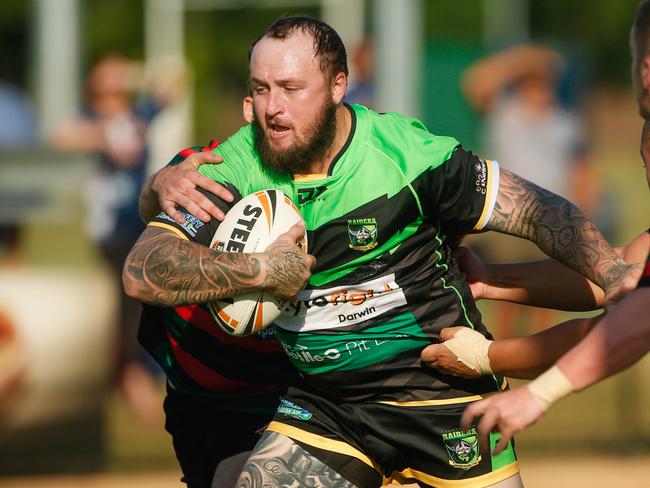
(385, 283)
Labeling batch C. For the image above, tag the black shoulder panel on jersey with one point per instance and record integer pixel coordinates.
(454, 193)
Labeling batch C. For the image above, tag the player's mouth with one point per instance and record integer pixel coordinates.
(278, 131)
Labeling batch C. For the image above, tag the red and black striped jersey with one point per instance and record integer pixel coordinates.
(199, 358)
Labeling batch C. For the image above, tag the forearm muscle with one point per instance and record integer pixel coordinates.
(164, 269)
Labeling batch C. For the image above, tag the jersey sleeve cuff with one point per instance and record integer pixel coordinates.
(490, 195)
(168, 227)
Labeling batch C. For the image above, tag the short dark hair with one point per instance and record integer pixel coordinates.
(328, 46)
(641, 28)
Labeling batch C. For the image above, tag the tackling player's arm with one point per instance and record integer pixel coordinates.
(560, 229)
(619, 339)
(467, 353)
(545, 283)
(178, 183)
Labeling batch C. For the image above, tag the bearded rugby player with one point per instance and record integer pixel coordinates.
(365, 411)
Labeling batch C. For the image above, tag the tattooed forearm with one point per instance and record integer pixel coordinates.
(165, 270)
(285, 266)
(558, 227)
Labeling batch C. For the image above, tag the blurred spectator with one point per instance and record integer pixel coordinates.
(531, 134)
(18, 126)
(114, 127)
(362, 89)
(167, 81)
(18, 129)
(527, 129)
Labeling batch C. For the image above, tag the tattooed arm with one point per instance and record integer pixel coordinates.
(545, 283)
(560, 229)
(164, 269)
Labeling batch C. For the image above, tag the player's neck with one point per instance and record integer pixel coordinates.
(343, 127)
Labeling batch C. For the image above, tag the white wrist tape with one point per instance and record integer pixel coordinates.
(550, 386)
(471, 349)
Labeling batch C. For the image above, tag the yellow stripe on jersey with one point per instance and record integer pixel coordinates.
(322, 442)
(309, 177)
(406, 475)
(491, 194)
(168, 227)
(428, 403)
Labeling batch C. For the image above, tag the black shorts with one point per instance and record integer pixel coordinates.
(205, 430)
(405, 443)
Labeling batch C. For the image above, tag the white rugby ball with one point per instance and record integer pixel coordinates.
(250, 226)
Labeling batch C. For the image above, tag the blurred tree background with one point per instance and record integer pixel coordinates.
(217, 42)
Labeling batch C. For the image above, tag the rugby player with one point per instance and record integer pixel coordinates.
(380, 196)
(614, 341)
(218, 397)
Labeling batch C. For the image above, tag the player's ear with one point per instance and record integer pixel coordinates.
(339, 85)
(247, 109)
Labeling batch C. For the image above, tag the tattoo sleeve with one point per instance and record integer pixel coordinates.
(277, 460)
(166, 270)
(558, 227)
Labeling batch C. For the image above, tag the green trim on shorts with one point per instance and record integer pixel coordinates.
(505, 457)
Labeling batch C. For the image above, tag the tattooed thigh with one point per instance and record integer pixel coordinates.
(278, 462)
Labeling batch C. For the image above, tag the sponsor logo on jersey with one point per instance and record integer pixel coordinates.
(345, 351)
(267, 334)
(341, 306)
(480, 171)
(308, 196)
(292, 410)
(362, 234)
(191, 225)
(301, 353)
(462, 448)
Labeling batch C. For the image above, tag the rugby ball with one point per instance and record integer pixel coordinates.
(251, 225)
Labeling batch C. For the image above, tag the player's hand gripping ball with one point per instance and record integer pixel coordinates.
(251, 225)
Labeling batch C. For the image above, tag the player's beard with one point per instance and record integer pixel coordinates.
(303, 153)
